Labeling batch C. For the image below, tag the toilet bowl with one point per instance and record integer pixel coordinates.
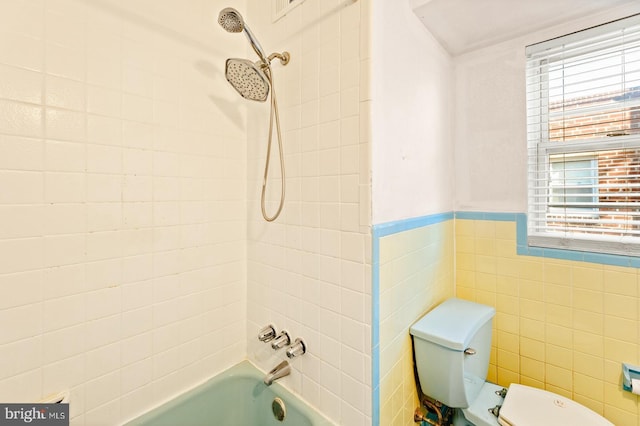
(452, 345)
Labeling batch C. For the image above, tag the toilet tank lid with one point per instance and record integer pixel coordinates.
(453, 323)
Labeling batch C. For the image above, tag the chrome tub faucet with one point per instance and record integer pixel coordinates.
(280, 370)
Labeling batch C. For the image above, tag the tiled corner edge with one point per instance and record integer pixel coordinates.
(379, 231)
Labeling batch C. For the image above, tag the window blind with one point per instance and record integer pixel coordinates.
(583, 138)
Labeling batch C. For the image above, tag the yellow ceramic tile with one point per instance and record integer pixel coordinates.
(386, 390)
(618, 416)
(396, 401)
(507, 286)
(386, 276)
(492, 373)
(506, 231)
(532, 309)
(559, 315)
(465, 244)
(486, 297)
(507, 304)
(466, 262)
(612, 371)
(559, 390)
(506, 377)
(386, 305)
(532, 369)
(532, 329)
(466, 278)
(486, 229)
(485, 246)
(559, 377)
(486, 282)
(592, 322)
(588, 278)
(588, 386)
(620, 281)
(465, 227)
(528, 381)
(621, 306)
(508, 360)
(386, 248)
(466, 293)
(486, 264)
(557, 273)
(506, 249)
(588, 343)
(507, 323)
(508, 267)
(557, 294)
(616, 397)
(559, 335)
(621, 329)
(534, 349)
(587, 300)
(588, 365)
(386, 414)
(559, 356)
(533, 290)
(532, 270)
(508, 341)
(594, 405)
(618, 350)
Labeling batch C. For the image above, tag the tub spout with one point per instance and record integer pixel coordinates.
(281, 370)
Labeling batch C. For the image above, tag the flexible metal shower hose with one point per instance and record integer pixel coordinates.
(272, 113)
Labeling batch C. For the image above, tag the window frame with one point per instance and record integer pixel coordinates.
(540, 149)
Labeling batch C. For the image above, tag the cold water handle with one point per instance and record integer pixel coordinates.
(297, 348)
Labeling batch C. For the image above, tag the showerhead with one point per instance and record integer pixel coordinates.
(231, 20)
(249, 80)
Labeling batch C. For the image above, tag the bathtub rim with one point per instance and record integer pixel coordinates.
(244, 368)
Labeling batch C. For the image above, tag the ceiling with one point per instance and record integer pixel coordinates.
(465, 25)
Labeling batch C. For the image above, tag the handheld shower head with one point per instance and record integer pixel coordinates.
(231, 20)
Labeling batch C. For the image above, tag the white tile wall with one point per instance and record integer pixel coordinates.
(309, 272)
(122, 186)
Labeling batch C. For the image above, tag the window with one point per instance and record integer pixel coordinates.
(572, 185)
(583, 139)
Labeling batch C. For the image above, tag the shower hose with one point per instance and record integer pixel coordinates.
(273, 113)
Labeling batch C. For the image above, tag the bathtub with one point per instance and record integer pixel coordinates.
(235, 397)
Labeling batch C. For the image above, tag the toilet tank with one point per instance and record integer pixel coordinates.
(440, 337)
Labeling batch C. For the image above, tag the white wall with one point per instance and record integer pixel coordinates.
(309, 271)
(412, 84)
(490, 120)
(122, 176)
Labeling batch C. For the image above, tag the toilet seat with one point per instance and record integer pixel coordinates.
(527, 406)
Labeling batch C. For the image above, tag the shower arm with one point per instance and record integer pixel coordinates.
(284, 59)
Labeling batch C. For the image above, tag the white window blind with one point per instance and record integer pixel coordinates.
(583, 139)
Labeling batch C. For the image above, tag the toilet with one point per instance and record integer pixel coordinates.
(452, 344)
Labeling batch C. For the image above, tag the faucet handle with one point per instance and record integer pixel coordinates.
(282, 340)
(297, 348)
(267, 333)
